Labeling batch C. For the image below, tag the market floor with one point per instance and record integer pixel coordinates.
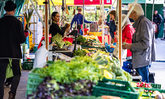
(21, 88)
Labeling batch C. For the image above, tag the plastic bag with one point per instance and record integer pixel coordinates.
(40, 57)
(124, 54)
(9, 71)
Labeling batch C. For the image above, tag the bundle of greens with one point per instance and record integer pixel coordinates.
(79, 52)
(58, 40)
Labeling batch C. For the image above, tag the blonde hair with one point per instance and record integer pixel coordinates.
(137, 8)
(127, 21)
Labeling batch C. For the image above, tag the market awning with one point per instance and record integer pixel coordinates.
(92, 2)
(57, 2)
(78, 2)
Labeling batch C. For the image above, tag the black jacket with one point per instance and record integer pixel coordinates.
(11, 36)
(54, 29)
(157, 19)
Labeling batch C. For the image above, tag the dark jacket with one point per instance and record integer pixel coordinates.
(157, 19)
(54, 29)
(11, 36)
(112, 27)
(78, 18)
(143, 46)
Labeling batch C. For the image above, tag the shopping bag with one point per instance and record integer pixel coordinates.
(124, 54)
(40, 57)
(9, 71)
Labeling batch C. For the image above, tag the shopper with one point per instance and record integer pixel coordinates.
(54, 27)
(78, 19)
(142, 47)
(11, 36)
(127, 33)
(111, 24)
(157, 18)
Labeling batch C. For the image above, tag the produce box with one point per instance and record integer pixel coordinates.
(82, 97)
(92, 47)
(147, 89)
(150, 89)
(115, 88)
(95, 33)
(28, 64)
(33, 81)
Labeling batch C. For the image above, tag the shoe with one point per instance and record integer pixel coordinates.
(7, 84)
(11, 96)
(163, 39)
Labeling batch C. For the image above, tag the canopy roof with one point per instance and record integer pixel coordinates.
(77, 2)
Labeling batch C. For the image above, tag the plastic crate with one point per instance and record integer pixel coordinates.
(82, 97)
(33, 81)
(115, 88)
(157, 86)
(28, 64)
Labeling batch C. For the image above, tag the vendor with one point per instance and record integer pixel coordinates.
(111, 24)
(54, 27)
(78, 19)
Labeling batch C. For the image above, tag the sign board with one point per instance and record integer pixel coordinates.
(90, 9)
(144, 1)
(155, 2)
(92, 2)
(131, 1)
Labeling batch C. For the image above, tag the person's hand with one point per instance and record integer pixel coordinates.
(126, 46)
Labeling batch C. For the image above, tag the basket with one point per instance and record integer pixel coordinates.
(115, 88)
(33, 81)
(28, 64)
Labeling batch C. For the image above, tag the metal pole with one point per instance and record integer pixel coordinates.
(54, 5)
(37, 13)
(120, 30)
(103, 21)
(145, 9)
(46, 24)
(153, 9)
(83, 14)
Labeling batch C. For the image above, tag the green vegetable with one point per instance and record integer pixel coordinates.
(67, 43)
(58, 40)
(79, 52)
(81, 39)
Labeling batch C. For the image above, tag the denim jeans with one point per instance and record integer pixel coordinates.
(144, 72)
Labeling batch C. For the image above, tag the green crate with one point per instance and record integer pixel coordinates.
(33, 81)
(28, 64)
(157, 86)
(82, 97)
(115, 88)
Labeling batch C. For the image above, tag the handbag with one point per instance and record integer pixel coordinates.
(9, 71)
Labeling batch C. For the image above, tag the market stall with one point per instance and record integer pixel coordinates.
(84, 66)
